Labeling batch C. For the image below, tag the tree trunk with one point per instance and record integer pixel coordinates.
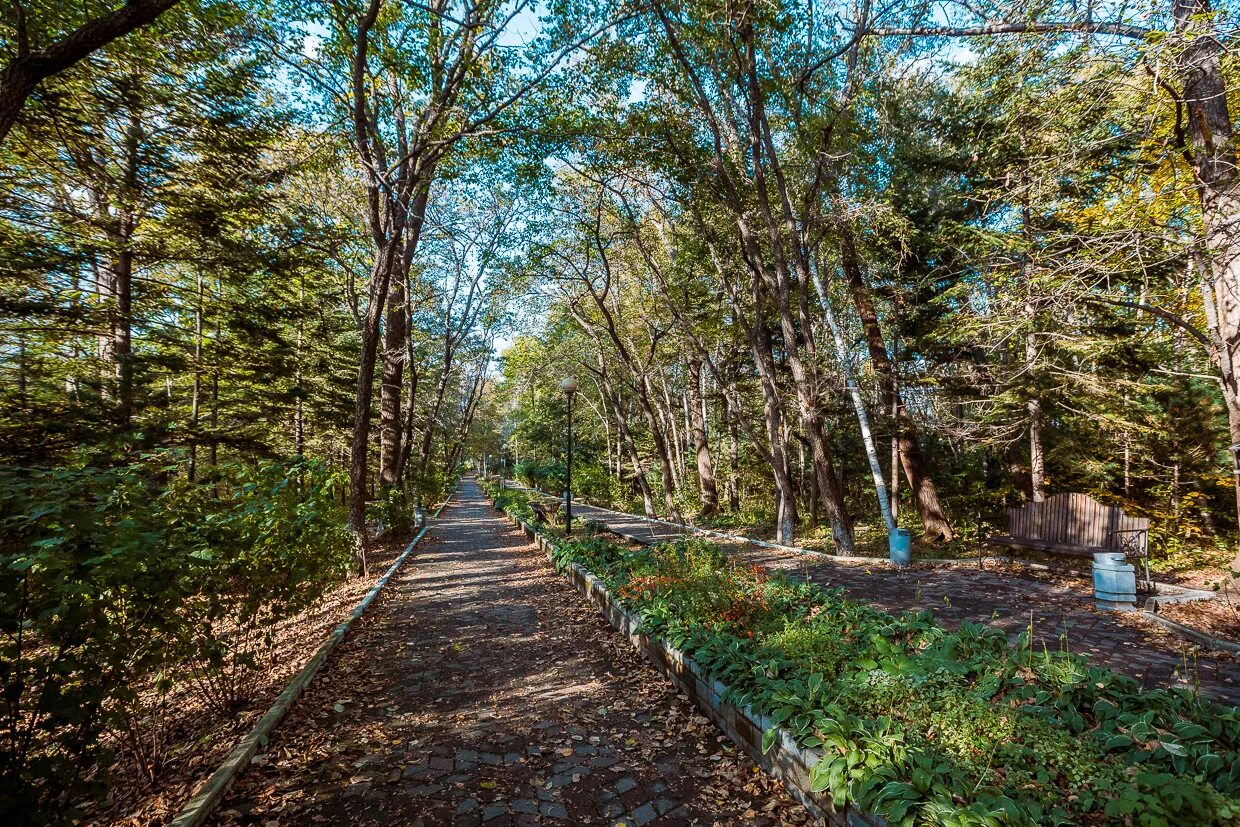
(630, 445)
(707, 488)
(213, 418)
(122, 335)
(659, 441)
(680, 438)
(921, 485)
(773, 410)
(775, 266)
(196, 395)
(432, 417)
(392, 382)
(411, 396)
(395, 344)
(1212, 151)
(671, 433)
(606, 419)
(805, 380)
(895, 467)
(1037, 452)
(854, 390)
(734, 467)
(299, 412)
(360, 445)
(115, 285)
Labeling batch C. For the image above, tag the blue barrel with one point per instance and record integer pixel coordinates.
(1115, 582)
(900, 543)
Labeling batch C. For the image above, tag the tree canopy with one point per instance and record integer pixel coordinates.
(276, 269)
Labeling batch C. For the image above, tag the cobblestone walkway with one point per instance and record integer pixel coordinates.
(1060, 608)
(480, 688)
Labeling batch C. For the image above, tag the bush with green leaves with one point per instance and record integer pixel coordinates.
(513, 501)
(119, 581)
(394, 509)
(90, 591)
(922, 725)
(546, 475)
(591, 480)
(264, 543)
(431, 484)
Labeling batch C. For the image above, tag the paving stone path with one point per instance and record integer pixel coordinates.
(1059, 608)
(481, 689)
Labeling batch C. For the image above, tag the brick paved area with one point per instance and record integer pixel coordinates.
(1060, 608)
(482, 689)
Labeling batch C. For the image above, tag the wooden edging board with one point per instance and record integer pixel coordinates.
(211, 792)
(786, 760)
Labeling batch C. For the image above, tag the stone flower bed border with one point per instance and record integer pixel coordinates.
(786, 760)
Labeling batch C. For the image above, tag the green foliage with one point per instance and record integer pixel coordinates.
(394, 509)
(264, 542)
(118, 581)
(922, 725)
(592, 482)
(547, 475)
(513, 501)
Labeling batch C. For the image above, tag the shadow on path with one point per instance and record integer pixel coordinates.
(482, 689)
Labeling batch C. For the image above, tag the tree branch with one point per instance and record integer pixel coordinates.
(1167, 316)
(1050, 27)
(24, 72)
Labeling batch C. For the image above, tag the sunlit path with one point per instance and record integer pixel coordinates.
(482, 689)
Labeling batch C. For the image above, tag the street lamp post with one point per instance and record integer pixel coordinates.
(569, 386)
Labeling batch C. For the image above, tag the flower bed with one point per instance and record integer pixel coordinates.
(919, 724)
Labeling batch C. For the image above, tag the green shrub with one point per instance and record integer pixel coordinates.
(547, 475)
(922, 725)
(120, 579)
(265, 542)
(90, 591)
(394, 509)
(431, 485)
(514, 501)
(590, 479)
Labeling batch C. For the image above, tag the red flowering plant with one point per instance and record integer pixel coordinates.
(648, 587)
(695, 582)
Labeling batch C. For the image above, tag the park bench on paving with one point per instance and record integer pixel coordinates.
(1077, 525)
(544, 515)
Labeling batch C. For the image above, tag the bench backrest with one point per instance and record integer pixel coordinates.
(1080, 520)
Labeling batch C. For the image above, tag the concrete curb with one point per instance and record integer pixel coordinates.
(786, 761)
(1204, 639)
(211, 792)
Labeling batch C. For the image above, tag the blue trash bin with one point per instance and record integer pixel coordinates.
(1115, 583)
(900, 543)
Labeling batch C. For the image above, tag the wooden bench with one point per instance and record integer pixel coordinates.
(544, 515)
(1077, 525)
